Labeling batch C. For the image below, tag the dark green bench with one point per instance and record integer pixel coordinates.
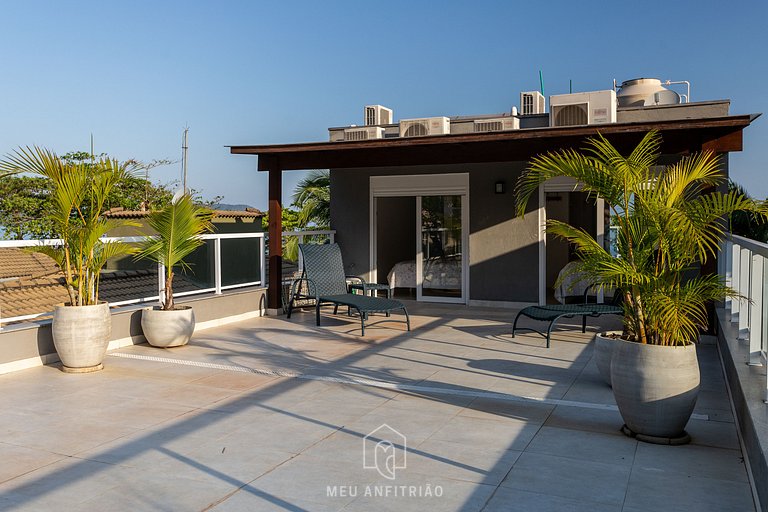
(552, 313)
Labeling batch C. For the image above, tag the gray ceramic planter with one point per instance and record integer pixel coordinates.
(81, 336)
(656, 389)
(166, 329)
(604, 346)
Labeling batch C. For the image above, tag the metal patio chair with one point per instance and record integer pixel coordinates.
(552, 313)
(323, 280)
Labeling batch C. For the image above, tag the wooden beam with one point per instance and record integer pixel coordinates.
(274, 293)
(718, 134)
(725, 142)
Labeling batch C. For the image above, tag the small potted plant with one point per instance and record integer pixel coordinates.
(79, 193)
(670, 221)
(178, 228)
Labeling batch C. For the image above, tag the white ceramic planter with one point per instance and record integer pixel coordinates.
(81, 336)
(166, 329)
(656, 388)
(604, 345)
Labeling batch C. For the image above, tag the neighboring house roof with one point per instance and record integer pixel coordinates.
(249, 213)
(20, 263)
(29, 296)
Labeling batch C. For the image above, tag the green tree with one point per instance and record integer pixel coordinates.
(25, 200)
(669, 222)
(311, 208)
(312, 197)
(747, 224)
(291, 222)
(24, 203)
(78, 197)
(134, 192)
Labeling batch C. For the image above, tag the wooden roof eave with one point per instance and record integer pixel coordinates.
(721, 134)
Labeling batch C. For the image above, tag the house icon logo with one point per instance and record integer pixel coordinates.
(384, 449)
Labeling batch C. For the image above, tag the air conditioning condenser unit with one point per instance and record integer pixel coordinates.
(500, 124)
(532, 102)
(426, 126)
(376, 114)
(581, 108)
(364, 133)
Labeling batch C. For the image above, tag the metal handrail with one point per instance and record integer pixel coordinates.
(753, 245)
(216, 289)
(743, 263)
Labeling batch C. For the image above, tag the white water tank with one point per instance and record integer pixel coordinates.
(645, 92)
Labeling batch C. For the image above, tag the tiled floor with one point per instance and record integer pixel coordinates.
(273, 414)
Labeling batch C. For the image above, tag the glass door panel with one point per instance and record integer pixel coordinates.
(440, 259)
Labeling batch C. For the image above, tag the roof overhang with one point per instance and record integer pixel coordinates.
(681, 136)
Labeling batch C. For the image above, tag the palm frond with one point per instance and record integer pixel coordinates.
(670, 222)
(313, 198)
(178, 227)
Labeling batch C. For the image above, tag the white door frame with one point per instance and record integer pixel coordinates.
(561, 184)
(418, 185)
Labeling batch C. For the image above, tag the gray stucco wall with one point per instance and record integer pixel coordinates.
(503, 249)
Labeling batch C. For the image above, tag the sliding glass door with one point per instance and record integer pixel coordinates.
(419, 227)
(440, 251)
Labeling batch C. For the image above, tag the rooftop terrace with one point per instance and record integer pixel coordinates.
(272, 414)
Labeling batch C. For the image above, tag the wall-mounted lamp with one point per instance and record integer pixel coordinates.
(500, 187)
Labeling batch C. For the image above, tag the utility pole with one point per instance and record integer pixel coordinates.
(184, 148)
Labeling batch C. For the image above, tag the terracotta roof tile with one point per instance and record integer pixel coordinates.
(251, 213)
(25, 296)
(20, 263)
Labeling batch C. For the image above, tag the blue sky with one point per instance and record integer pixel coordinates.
(135, 73)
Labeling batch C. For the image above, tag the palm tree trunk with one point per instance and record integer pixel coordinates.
(640, 315)
(168, 302)
(68, 276)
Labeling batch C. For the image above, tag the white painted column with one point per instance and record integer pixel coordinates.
(756, 311)
(301, 258)
(735, 281)
(727, 270)
(745, 257)
(217, 264)
(542, 233)
(161, 283)
(600, 231)
(263, 261)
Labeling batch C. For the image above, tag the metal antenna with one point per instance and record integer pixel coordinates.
(541, 82)
(184, 148)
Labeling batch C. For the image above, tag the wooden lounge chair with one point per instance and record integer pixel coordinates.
(323, 280)
(552, 313)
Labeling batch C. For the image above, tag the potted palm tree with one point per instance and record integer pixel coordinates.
(671, 220)
(79, 194)
(178, 228)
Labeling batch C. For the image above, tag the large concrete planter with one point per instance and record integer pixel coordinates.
(656, 388)
(166, 329)
(604, 345)
(81, 336)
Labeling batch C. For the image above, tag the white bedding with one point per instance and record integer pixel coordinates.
(439, 273)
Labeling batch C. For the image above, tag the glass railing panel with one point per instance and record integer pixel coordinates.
(240, 261)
